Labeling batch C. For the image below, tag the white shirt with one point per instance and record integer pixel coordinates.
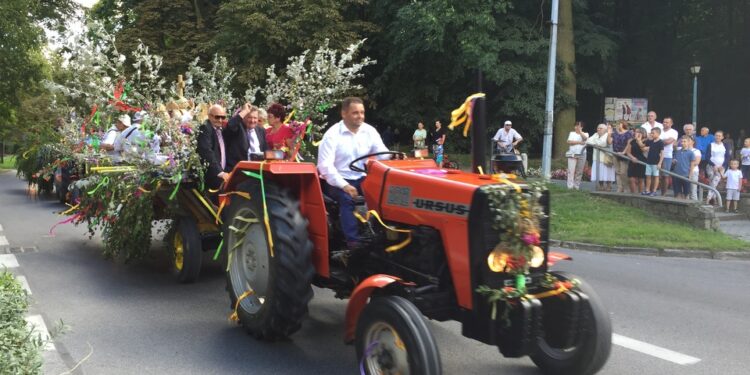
(733, 179)
(648, 126)
(253, 142)
(717, 153)
(507, 137)
(697, 154)
(671, 133)
(576, 149)
(128, 138)
(110, 136)
(340, 147)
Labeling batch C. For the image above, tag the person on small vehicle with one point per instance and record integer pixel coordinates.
(344, 142)
(507, 138)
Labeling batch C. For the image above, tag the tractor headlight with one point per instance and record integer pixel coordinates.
(537, 257)
(497, 260)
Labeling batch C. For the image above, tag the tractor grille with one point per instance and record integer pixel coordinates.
(483, 239)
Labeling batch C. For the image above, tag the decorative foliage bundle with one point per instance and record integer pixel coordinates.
(313, 86)
(516, 217)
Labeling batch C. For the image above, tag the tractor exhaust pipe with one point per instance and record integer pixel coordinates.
(479, 131)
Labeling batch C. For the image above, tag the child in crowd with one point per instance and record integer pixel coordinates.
(734, 184)
(745, 156)
(654, 148)
(684, 162)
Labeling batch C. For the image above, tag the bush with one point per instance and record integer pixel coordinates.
(20, 351)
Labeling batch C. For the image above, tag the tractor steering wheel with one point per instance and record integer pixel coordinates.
(355, 168)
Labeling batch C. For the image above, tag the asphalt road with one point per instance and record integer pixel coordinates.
(139, 321)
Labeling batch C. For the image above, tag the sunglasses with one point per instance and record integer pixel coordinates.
(219, 117)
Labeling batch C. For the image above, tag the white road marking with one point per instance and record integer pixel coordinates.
(653, 350)
(24, 283)
(3, 241)
(8, 261)
(37, 326)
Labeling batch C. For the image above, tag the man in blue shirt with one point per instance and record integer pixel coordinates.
(701, 143)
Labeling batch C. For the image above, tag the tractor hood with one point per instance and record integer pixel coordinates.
(417, 192)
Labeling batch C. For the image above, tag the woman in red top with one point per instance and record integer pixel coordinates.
(279, 135)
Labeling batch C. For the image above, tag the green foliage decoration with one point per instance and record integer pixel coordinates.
(20, 351)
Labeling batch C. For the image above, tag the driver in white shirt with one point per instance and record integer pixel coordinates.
(345, 141)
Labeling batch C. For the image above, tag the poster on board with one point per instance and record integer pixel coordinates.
(628, 109)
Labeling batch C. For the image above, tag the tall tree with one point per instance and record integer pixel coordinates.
(255, 33)
(566, 55)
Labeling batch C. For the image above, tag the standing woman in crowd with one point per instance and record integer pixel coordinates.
(636, 171)
(718, 161)
(602, 169)
(576, 155)
(278, 135)
(620, 138)
(419, 136)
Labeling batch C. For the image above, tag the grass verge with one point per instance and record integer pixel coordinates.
(579, 216)
(20, 351)
(9, 162)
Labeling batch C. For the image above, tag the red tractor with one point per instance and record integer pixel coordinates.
(428, 244)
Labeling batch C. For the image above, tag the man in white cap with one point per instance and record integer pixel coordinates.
(128, 139)
(507, 138)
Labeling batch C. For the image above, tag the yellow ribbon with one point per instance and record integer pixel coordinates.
(223, 202)
(548, 293)
(481, 171)
(70, 210)
(291, 116)
(210, 209)
(392, 248)
(505, 179)
(26, 154)
(114, 169)
(234, 317)
(462, 115)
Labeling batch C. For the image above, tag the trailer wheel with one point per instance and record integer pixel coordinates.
(592, 345)
(393, 338)
(273, 290)
(186, 250)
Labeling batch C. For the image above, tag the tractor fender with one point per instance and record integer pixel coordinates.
(359, 298)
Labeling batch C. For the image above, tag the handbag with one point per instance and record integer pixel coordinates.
(606, 158)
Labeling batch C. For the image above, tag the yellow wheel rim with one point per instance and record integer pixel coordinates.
(179, 251)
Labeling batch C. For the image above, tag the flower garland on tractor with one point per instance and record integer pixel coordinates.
(517, 214)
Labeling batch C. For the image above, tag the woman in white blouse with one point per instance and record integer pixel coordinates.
(576, 155)
(718, 155)
(602, 169)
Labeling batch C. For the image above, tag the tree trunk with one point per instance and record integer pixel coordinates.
(565, 117)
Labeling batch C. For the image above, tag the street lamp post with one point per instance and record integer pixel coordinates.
(695, 69)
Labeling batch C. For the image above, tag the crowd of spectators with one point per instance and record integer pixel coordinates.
(647, 150)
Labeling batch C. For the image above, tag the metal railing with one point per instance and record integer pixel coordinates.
(670, 173)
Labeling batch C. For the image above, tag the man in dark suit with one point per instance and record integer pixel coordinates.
(243, 136)
(212, 149)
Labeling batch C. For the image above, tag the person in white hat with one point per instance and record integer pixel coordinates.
(129, 136)
(507, 138)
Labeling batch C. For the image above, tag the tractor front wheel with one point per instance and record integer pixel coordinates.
(269, 285)
(392, 337)
(588, 351)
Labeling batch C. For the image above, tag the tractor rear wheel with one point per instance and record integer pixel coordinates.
(592, 345)
(273, 285)
(392, 337)
(186, 250)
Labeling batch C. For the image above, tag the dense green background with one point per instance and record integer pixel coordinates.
(428, 53)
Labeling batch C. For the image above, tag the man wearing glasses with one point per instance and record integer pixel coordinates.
(211, 147)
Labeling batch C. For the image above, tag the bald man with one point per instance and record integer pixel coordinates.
(211, 147)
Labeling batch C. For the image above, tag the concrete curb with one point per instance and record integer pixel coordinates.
(670, 253)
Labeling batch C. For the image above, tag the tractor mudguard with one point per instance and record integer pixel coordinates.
(302, 179)
(358, 300)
